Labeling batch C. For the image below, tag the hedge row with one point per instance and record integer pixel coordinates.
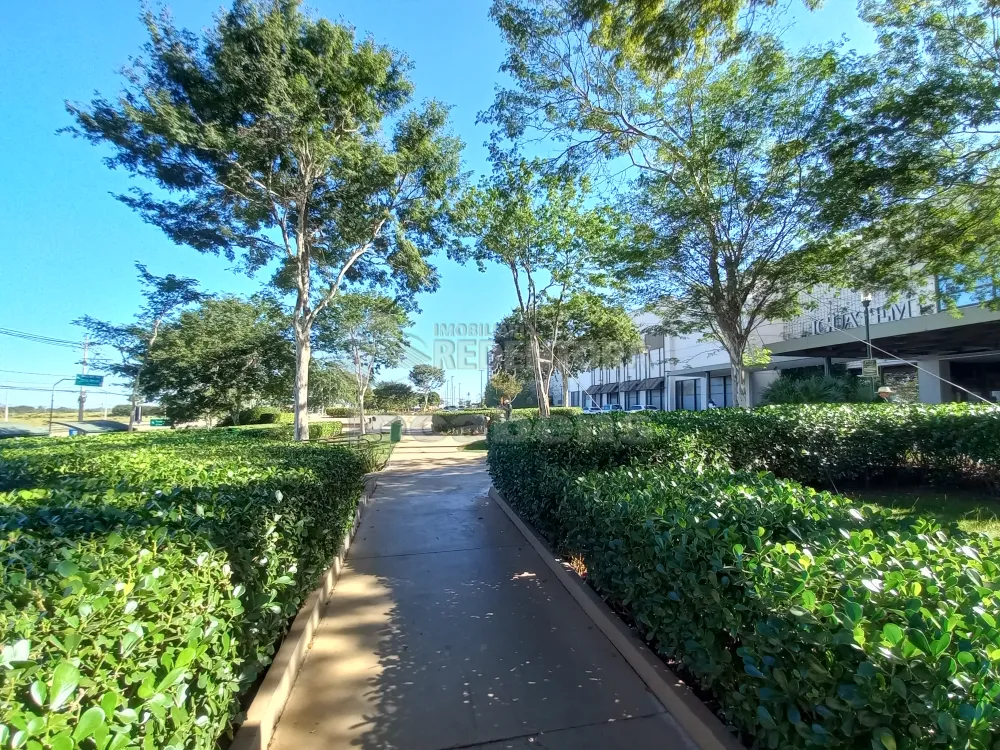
(813, 622)
(460, 419)
(317, 431)
(148, 578)
(825, 443)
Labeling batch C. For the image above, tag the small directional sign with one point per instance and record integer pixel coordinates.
(869, 368)
(95, 381)
(160, 423)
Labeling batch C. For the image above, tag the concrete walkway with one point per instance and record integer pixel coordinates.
(447, 630)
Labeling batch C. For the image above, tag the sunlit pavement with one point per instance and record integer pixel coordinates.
(446, 630)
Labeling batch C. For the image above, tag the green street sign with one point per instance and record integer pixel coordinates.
(92, 380)
(160, 423)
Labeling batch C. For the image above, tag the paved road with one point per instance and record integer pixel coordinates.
(446, 630)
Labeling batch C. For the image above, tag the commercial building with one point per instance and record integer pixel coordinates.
(945, 355)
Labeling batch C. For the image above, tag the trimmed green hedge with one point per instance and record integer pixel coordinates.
(461, 420)
(343, 412)
(148, 578)
(317, 431)
(256, 415)
(813, 622)
(848, 443)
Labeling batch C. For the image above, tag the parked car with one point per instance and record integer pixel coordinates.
(592, 410)
(647, 407)
(612, 407)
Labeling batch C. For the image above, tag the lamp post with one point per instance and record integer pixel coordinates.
(866, 301)
(52, 400)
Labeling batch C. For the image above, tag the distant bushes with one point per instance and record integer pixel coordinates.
(255, 415)
(818, 389)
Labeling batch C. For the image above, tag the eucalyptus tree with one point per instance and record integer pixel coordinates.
(267, 140)
(723, 158)
(132, 343)
(543, 229)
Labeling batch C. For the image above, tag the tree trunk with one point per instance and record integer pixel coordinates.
(541, 391)
(740, 378)
(361, 411)
(565, 386)
(426, 396)
(303, 353)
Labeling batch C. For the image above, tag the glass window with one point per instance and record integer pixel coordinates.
(653, 399)
(574, 398)
(633, 398)
(688, 394)
(721, 391)
(612, 397)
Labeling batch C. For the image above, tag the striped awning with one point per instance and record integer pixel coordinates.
(650, 384)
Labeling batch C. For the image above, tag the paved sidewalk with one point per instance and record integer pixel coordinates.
(447, 630)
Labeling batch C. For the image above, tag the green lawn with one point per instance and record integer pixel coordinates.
(973, 511)
(478, 445)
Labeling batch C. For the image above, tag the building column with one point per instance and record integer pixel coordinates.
(707, 379)
(930, 381)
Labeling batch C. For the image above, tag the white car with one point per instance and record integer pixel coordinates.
(612, 407)
(592, 410)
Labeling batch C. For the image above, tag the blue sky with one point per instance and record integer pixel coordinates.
(69, 247)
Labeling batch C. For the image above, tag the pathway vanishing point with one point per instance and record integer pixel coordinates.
(447, 630)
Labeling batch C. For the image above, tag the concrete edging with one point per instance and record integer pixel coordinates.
(265, 710)
(704, 727)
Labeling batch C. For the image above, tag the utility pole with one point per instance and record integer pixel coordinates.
(6, 405)
(83, 391)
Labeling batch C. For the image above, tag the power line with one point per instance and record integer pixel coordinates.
(38, 339)
(44, 374)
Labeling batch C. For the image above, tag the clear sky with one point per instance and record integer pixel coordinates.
(69, 247)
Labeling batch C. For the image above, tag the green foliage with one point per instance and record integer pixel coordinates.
(283, 138)
(148, 578)
(220, 357)
(819, 389)
(393, 397)
(344, 412)
(506, 385)
(425, 379)
(255, 415)
(464, 421)
(812, 621)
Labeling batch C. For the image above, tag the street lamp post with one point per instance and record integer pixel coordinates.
(52, 400)
(866, 301)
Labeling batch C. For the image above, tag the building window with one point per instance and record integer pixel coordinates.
(613, 397)
(574, 398)
(633, 398)
(688, 394)
(653, 400)
(721, 391)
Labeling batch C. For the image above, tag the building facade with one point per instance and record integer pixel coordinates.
(948, 355)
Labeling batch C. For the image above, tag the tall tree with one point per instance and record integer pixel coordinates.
(133, 342)
(724, 162)
(394, 397)
(366, 331)
(506, 385)
(426, 378)
(266, 139)
(542, 230)
(219, 359)
(914, 149)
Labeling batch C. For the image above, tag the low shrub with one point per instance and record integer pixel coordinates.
(255, 415)
(813, 623)
(342, 411)
(317, 431)
(149, 577)
(464, 420)
(819, 389)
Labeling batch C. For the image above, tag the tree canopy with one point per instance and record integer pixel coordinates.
(265, 136)
(426, 378)
(366, 332)
(132, 343)
(220, 358)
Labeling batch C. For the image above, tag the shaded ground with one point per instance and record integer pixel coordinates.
(973, 511)
(447, 631)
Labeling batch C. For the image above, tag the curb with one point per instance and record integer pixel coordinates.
(265, 710)
(704, 728)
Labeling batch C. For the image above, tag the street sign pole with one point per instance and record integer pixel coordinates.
(52, 400)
